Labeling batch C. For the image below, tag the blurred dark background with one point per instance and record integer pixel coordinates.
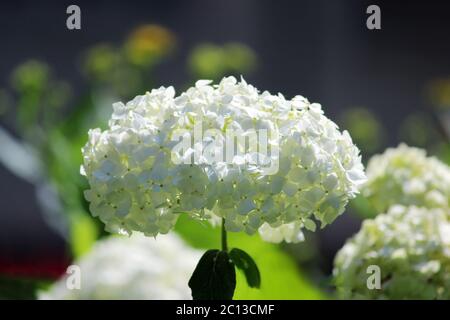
(319, 49)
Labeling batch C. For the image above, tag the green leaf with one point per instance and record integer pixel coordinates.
(363, 207)
(270, 257)
(83, 233)
(244, 262)
(214, 278)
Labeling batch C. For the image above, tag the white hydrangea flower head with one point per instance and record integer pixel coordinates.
(410, 245)
(135, 184)
(136, 267)
(405, 175)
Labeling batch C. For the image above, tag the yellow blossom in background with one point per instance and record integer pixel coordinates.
(148, 43)
(439, 93)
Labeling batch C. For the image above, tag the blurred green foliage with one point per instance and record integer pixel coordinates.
(99, 61)
(40, 96)
(55, 126)
(365, 129)
(418, 129)
(363, 207)
(210, 61)
(15, 288)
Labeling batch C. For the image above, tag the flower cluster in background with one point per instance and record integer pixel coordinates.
(410, 242)
(410, 245)
(405, 175)
(134, 268)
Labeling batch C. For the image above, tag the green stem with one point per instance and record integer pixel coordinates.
(224, 237)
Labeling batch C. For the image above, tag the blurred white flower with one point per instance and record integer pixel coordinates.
(135, 267)
(405, 175)
(139, 182)
(412, 248)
